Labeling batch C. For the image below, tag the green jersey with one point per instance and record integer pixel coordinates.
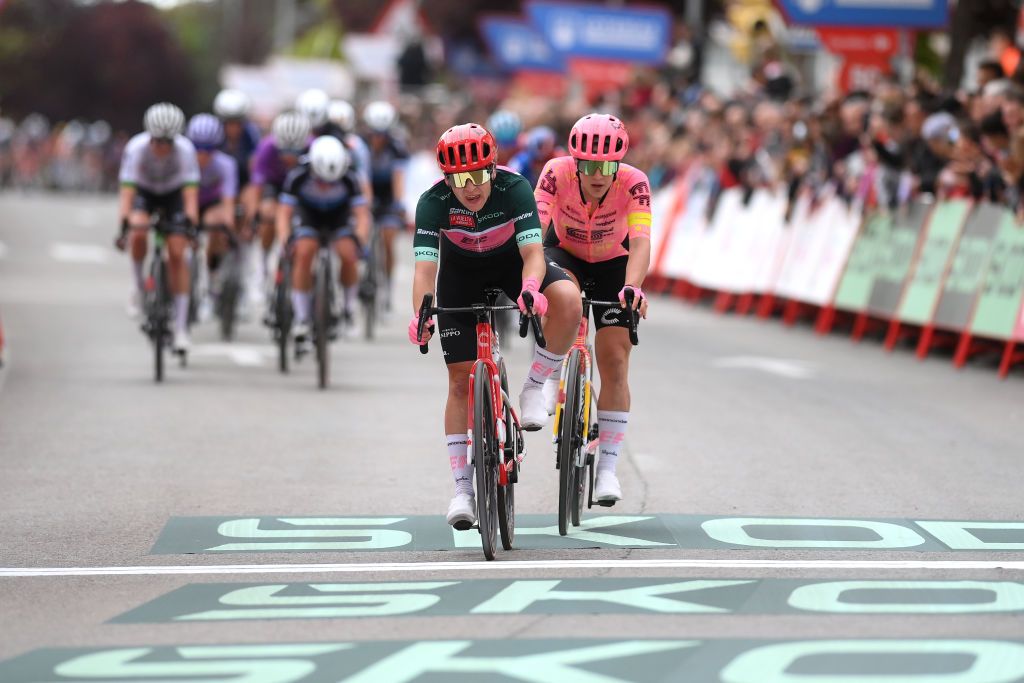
(508, 219)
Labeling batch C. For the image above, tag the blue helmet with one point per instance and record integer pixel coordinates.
(205, 131)
(505, 126)
(540, 137)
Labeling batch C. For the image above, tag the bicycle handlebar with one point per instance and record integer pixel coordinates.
(427, 310)
(532, 321)
(628, 296)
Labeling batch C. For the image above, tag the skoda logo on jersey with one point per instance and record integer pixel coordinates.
(610, 316)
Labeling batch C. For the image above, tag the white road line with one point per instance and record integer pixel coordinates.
(514, 565)
(69, 252)
(792, 369)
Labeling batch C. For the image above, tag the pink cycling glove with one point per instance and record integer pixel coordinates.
(540, 302)
(428, 330)
(638, 295)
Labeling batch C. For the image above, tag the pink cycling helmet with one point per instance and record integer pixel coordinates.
(598, 137)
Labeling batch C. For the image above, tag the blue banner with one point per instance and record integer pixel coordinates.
(598, 32)
(517, 45)
(888, 13)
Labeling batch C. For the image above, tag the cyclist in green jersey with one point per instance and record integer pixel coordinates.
(475, 229)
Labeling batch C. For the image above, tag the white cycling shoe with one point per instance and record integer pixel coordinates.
(462, 511)
(533, 412)
(607, 488)
(551, 394)
(181, 343)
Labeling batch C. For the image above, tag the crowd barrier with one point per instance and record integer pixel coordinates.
(940, 274)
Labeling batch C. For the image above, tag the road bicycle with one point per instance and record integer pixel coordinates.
(280, 316)
(158, 303)
(226, 282)
(496, 447)
(372, 282)
(325, 319)
(576, 434)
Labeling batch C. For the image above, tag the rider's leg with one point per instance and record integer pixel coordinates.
(302, 278)
(138, 239)
(180, 277)
(455, 421)
(388, 240)
(612, 347)
(268, 209)
(348, 253)
(560, 328)
(217, 241)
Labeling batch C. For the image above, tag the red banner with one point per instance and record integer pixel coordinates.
(882, 42)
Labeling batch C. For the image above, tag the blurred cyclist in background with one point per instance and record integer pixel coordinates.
(388, 162)
(241, 136)
(276, 155)
(160, 172)
(322, 195)
(218, 190)
(505, 126)
(342, 117)
(597, 213)
(538, 150)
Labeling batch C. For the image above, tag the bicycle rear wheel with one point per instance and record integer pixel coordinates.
(157, 309)
(283, 313)
(322, 318)
(227, 302)
(507, 493)
(570, 439)
(485, 460)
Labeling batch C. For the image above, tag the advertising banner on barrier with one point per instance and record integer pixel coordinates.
(627, 34)
(897, 257)
(767, 220)
(892, 13)
(864, 264)
(925, 285)
(688, 231)
(999, 306)
(967, 274)
(841, 223)
(713, 263)
(516, 45)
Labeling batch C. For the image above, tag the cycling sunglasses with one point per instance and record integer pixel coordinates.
(167, 142)
(588, 167)
(479, 177)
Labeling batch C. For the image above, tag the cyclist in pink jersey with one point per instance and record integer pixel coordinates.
(596, 212)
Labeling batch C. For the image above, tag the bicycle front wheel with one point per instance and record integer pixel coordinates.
(507, 493)
(370, 286)
(157, 311)
(283, 314)
(227, 302)
(485, 460)
(571, 438)
(322, 320)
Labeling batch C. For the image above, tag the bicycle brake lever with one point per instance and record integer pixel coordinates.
(428, 301)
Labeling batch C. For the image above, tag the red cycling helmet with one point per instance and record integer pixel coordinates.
(466, 147)
(598, 137)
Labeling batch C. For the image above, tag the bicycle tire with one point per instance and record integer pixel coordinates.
(585, 474)
(507, 493)
(322, 319)
(283, 315)
(484, 460)
(569, 441)
(158, 315)
(227, 302)
(370, 287)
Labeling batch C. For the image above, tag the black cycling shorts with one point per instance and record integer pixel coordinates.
(171, 204)
(461, 281)
(270, 191)
(602, 281)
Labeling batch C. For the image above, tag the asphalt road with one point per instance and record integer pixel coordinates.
(788, 516)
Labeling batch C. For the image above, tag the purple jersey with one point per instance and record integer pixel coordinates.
(267, 166)
(218, 180)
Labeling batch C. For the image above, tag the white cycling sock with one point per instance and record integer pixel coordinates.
(301, 303)
(349, 295)
(181, 312)
(459, 461)
(140, 279)
(611, 426)
(544, 365)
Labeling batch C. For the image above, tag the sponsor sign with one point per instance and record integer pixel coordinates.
(889, 13)
(580, 661)
(516, 45)
(1003, 291)
(625, 33)
(897, 256)
(202, 602)
(226, 535)
(967, 273)
(925, 284)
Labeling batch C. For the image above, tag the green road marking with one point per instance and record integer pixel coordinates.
(188, 535)
(247, 602)
(571, 661)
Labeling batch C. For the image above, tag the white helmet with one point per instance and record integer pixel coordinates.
(313, 103)
(291, 131)
(342, 115)
(164, 120)
(231, 104)
(328, 157)
(380, 116)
